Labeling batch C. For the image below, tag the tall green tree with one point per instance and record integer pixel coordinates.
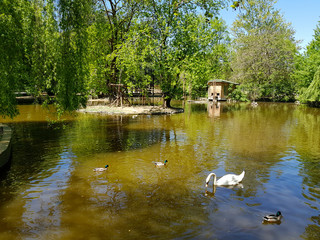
(120, 16)
(134, 58)
(165, 42)
(168, 20)
(264, 51)
(203, 53)
(98, 51)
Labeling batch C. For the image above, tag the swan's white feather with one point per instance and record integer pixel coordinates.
(229, 179)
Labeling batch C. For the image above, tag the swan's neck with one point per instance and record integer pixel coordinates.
(241, 176)
(214, 178)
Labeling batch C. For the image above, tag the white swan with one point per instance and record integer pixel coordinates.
(226, 180)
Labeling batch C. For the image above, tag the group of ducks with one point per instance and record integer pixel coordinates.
(226, 180)
(157, 164)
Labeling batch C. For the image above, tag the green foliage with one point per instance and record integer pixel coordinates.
(98, 50)
(236, 4)
(28, 50)
(202, 52)
(238, 94)
(73, 48)
(186, 38)
(134, 59)
(73, 70)
(264, 52)
(307, 63)
(120, 17)
(312, 93)
(11, 51)
(41, 48)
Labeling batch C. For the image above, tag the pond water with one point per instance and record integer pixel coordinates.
(50, 191)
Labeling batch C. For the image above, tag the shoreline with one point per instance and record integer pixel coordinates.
(133, 110)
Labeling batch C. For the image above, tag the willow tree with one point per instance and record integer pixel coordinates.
(72, 69)
(25, 50)
(28, 50)
(308, 72)
(11, 52)
(40, 47)
(264, 51)
(312, 94)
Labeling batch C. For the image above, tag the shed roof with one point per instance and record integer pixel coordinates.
(222, 81)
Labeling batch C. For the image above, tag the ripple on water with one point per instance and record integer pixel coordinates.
(135, 200)
(42, 196)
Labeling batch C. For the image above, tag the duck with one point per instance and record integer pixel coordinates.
(226, 180)
(101, 169)
(160, 164)
(273, 217)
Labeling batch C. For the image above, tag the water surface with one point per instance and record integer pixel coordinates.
(49, 190)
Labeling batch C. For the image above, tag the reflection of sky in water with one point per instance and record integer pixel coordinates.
(42, 207)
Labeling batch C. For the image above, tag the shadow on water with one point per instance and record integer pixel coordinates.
(5, 169)
(113, 135)
(5, 181)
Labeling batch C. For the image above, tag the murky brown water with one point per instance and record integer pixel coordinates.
(50, 191)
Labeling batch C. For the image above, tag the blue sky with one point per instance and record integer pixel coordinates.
(304, 16)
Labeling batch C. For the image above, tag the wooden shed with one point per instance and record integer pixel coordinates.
(219, 89)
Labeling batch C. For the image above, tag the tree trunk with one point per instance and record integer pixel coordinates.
(167, 103)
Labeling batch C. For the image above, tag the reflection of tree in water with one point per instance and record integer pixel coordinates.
(38, 159)
(258, 131)
(161, 209)
(234, 107)
(197, 108)
(312, 230)
(256, 136)
(243, 138)
(31, 144)
(311, 192)
(305, 136)
(110, 134)
(215, 109)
